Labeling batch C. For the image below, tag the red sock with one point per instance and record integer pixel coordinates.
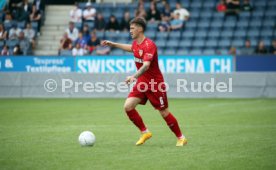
(136, 119)
(173, 125)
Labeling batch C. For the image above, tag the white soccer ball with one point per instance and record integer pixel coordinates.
(87, 138)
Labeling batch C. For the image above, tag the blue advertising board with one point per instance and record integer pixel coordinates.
(256, 63)
(167, 64)
(37, 64)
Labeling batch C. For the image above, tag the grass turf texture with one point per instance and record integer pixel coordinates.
(222, 134)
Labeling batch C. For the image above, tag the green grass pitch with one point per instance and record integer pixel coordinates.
(222, 134)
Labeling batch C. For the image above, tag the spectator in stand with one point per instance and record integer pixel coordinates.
(261, 49)
(86, 32)
(176, 23)
(24, 11)
(153, 14)
(273, 47)
(166, 10)
(93, 42)
(13, 6)
(76, 14)
(40, 5)
(112, 24)
(81, 40)
(17, 50)
(24, 44)
(14, 32)
(8, 18)
(3, 33)
(125, 21)
(35, 16)
(164, 25)
(5, 51)
(65, 43)
(233, 8)
(183, 13)
(232, 51)
(89, 13)
(247, 50)
(247, 6)
(78, 50)
(72, 31)
(29, 33)
(141, 12)
(100, 22)
(221, 7)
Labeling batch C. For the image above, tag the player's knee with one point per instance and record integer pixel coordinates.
(164, 113)
(128, 107)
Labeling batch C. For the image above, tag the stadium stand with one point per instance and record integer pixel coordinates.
(207, 30)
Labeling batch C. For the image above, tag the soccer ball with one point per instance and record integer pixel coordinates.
(87, 138)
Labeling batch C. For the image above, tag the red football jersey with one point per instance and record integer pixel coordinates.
(147, 51)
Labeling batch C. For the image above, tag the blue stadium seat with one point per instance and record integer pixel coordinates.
(172, 44)
(196, 4)
(196, 52)
(253, 33)
(185, 44)
(238, 43)
(12, 43)
(211, 43)
(188, 34)
(152, 26)
(100, 34)
(66, 53)
(242, 24)
(182, 52)
(78, 25)
(240, 34)
(169, 51)
(35, 25)
(217, 24)
(266, 33)
(150, 34)
(198, 43)
(7, 25)
(124, 35)
(227, 34)
(224, 43)
(206, 14)
(2, 43)
(162, 35)
(161, 44)
(160, 51)
(175, 35)
(201, 35)
(191, 24)
(214, 34)
(260, 3)
(256, 23)
(117, 52)
(204, 24)
(209, 51)
(90, 25)
(21, 24)
(209, 5)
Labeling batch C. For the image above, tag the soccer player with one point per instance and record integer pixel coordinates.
(149, 82)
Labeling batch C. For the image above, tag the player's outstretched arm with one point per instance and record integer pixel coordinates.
(126, 47)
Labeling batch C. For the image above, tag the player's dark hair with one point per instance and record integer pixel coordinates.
(139, 21)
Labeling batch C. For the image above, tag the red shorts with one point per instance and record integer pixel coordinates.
(157, 97)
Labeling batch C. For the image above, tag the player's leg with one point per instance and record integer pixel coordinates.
(129, 106)
(173, 125)
(159, 101)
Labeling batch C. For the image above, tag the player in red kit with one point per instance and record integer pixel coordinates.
(149, 82)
